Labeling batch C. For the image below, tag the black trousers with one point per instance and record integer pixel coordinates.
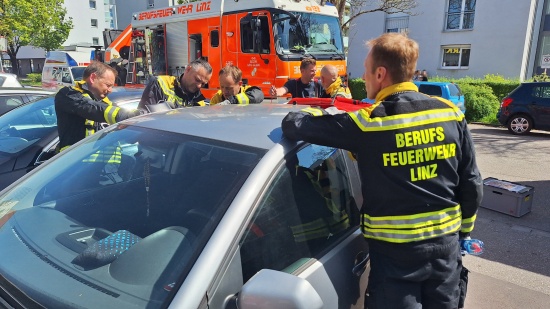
(416, 275)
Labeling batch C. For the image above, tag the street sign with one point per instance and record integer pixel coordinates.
(3, 44)
(545, 61)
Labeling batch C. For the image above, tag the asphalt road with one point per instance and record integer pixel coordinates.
(514, 271)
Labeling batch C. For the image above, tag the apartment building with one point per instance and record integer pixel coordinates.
(459, 38)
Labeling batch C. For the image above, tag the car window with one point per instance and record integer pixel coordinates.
(2, 80)
(27, 124)
(303, 213)
(9, 102)
(430, 90)
(454, 90)
(541, 92)
(78, 72)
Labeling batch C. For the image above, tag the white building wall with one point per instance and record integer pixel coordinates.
(83, 33)
(501, 40)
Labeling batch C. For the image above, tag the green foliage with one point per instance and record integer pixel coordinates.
(53, 28)
(357, 88)
(481, 103)
(41, 23)
(34, 77)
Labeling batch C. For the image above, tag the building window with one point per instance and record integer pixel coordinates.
(94, 23)
(456, 57)
(460, 14)
(92, 4)
(95, 41)
(397, 24)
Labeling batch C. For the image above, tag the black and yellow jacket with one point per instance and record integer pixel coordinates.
(247, 95)
(79, 114)
(165, 88)
(419, 175)
(337, 89)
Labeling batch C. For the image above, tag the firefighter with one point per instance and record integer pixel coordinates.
(303, 87)
(420, 181)
(332, 83)
(83, 107)
(176, 92)
(232, 89)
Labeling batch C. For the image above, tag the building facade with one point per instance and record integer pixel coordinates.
(460, 38)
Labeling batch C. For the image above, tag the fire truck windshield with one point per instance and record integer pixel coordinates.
(307, 33)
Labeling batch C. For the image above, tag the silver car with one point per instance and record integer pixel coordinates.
(204, 207)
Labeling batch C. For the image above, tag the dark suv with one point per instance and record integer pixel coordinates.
(527, 107)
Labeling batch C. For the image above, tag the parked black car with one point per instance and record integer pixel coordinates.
(28, 134)
(10, 97)
(527, 107)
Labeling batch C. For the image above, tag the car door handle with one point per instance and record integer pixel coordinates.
(361, 260)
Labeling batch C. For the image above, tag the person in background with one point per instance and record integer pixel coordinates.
(416, 75)
(83, 107)
(303, 87)
(332, 83)
(420, 182)
(177, 92)
(232, 89)
(424, 76)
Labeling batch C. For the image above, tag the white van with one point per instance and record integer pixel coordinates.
(63, 68)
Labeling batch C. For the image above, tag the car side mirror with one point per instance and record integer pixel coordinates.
(278, 290)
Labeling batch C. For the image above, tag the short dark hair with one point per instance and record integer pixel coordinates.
(201, 63)
(99, 68)
(306, 62)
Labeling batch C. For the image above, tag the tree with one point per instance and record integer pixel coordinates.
(359, 7)
(33, 22)
(54, 29)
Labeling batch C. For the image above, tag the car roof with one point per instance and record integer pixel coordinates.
(9, 80)
(255, 125)
(9, 90)
(432, 83)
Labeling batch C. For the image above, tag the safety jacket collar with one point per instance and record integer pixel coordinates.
(82, 86)
(241, 90)
(334, 86)
(395, 88)
(182, 93)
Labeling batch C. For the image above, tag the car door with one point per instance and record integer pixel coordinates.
(539, 106)
(305, 224)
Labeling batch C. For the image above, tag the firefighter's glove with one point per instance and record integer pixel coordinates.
(226, 102)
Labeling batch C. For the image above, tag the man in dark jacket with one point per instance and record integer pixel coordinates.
(232, 89)
(82, 108)
(420, 182)
(178, 92)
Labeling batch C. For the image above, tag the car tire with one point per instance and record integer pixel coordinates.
(520, 124)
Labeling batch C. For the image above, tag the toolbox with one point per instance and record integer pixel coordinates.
(507, 197)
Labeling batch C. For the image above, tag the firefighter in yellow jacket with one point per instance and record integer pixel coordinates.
(420, 182)
(175, 92)
(332, 83)
(83, 107)
(232, 90)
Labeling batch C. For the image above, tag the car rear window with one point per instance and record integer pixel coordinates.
(430, 90)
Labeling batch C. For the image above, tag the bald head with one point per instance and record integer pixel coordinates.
(329, 74)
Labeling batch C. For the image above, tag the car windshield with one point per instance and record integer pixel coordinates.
(77, 73)
(307, 33)
(118, 220)
(23, 126)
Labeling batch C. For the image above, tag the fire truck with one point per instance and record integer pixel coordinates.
(266, 39)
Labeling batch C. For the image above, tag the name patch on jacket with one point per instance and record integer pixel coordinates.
(426, 153)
